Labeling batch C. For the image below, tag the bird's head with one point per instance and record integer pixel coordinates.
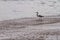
(37, 12)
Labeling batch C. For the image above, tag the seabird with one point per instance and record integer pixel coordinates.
(39, 15)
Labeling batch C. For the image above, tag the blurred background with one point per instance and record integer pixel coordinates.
(13, 9)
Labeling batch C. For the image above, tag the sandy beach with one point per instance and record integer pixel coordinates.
(28, 28)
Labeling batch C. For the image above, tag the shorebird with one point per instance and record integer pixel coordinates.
(39, 15)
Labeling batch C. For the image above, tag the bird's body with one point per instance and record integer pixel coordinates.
(39, 15)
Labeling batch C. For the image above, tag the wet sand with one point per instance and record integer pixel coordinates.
(28, 28)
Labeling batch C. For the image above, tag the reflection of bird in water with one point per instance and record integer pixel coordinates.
(39, 15)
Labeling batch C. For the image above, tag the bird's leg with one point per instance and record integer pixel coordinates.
(41, 19)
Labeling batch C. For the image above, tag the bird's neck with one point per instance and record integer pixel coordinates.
(37, 14)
